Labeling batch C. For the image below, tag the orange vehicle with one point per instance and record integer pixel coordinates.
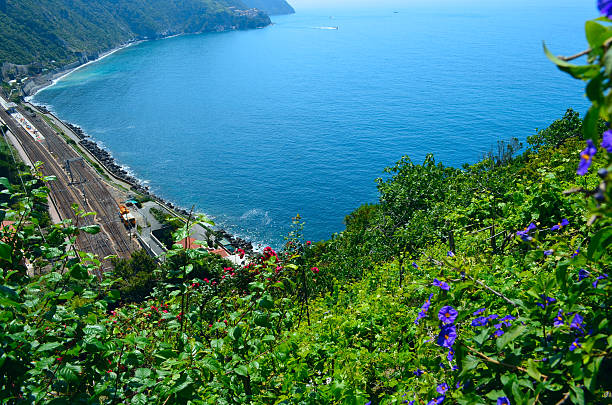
(123, 210)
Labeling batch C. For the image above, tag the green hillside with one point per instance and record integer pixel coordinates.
(64, 30)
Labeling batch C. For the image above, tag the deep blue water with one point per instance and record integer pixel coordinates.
(254, 127)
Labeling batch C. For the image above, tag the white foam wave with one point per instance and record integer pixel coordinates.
(257, 214)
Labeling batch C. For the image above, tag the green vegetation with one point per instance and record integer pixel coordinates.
(481, 285)
(54, 33)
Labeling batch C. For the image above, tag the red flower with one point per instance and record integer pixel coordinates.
(308, 243)
(315, 270)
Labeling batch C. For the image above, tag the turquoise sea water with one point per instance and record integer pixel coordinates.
(253, 127)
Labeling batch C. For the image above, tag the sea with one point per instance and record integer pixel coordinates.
(301, 117)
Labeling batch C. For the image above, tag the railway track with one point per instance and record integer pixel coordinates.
(88, 191)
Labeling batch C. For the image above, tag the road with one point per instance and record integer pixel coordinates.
(86, 188)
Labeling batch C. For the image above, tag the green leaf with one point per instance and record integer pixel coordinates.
(69, 372)
(241, 370)
(532, 370)
(596, 34)
(235, 332)
(211, 364)
(142, 373)
(509, 336)
(594, 89)
(91, 229)
(257, 286)
(79, 272)
(48, 346)
(607, 61)
(4, 181)
(599, 244)
(591, 121)
(584, 72)
(469, 363)
(266, 302)
(5, 251)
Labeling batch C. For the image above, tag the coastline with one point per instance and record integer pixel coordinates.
(50, 79)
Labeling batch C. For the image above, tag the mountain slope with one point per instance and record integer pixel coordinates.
(57, 32)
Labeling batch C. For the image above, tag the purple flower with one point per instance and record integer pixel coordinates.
(424, 309)
(450, 254)
(605, 8)
(492, 316)
(524, 234)
(442, 388)
(599, 278)
(437, 401)
(586, 158)
(506, 320)
(606, 143)
(559, 318)
(368, 403)
(547, 301)
(548, 252)
(498, 333)
(480, 321)
(576, 253)
(577, 322)
(447, 336)
(451, 355)
(441, 284)
(420, 316)
(582, 274)
(564, 222)
(478, 312)
(415, 265)
(427, 303)
(503, 401)
(575, 344)
(418, 372)
(447, 314)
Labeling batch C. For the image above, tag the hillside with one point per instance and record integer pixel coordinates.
(270, 7)
(54, 33)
